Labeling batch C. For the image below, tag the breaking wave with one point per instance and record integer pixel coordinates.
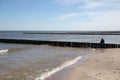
(45, 75)
(2, 52)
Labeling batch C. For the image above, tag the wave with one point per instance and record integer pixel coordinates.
(2, 52)
(45, 75)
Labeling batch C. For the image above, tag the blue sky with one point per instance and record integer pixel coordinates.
(60, 15)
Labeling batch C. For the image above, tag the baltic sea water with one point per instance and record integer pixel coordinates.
(28, 62)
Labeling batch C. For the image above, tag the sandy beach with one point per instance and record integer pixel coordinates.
(104, 64)
(101, 66)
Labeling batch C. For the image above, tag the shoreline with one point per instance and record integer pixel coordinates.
(102, 65)
(59, 68)
(63, 74)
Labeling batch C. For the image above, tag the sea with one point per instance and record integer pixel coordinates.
(39, 62)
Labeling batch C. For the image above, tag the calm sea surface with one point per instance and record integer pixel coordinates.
(60, 37)
(32, 62)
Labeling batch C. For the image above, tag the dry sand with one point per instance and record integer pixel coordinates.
(101, 66)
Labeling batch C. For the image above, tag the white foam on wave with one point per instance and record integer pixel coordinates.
(2, 52)
(94, 49)
(53, 71)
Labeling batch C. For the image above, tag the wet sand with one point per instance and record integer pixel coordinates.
(102, 65)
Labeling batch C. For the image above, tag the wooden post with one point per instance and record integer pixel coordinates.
(71, 44)
(58, 43)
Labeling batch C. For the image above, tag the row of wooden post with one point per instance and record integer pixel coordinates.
(60, 43)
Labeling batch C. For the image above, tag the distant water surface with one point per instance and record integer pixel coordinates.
(60, 37)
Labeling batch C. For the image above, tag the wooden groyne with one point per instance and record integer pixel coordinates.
(59, 43)
(75, 32)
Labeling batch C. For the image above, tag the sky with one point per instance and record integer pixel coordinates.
(79, 15)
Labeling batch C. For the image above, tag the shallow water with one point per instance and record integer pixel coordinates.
(27, 62)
